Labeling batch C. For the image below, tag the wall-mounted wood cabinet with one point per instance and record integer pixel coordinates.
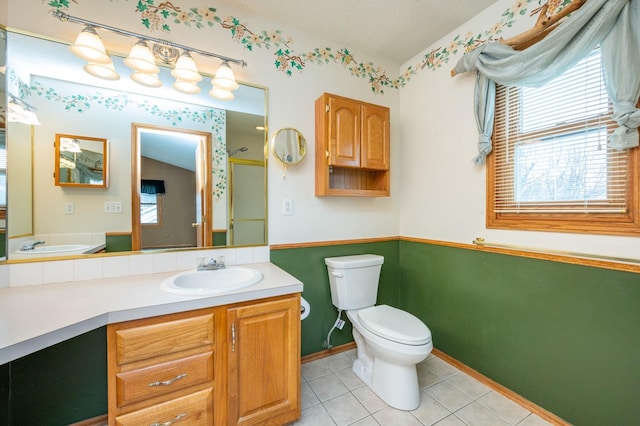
(228, 365)
(352, 147)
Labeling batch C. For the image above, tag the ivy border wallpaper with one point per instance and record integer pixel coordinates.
(158, 15)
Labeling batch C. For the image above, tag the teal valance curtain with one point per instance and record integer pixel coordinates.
(612, 24)
(153, 187)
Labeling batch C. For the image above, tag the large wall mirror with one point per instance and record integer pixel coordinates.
(198, 150)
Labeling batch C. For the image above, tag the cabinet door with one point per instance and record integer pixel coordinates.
(375, 137)
(264, 362)
(344, 132)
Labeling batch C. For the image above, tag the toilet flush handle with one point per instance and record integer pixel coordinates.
(337, 274)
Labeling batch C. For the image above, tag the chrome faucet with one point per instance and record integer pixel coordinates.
(30, 245)
(212, 265)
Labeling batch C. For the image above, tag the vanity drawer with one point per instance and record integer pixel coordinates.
(148, 341)
(161, 379)
(195, 409)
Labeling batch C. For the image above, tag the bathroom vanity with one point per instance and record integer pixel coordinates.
(236, 365)
(229, 359)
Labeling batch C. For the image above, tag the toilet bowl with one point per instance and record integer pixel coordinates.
(389, 341)
(387, 356)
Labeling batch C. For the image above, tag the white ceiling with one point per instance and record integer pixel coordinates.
(395, 30)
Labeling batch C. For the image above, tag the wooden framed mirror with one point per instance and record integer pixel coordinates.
(81, 161)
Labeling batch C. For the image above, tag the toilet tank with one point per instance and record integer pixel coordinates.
(354, 280)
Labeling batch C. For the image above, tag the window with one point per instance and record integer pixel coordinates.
(150, 209)
(551, 168)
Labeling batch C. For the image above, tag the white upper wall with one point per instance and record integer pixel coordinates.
(442, 191)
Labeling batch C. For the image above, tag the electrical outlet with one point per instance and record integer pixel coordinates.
(287, 207)
(68, 208)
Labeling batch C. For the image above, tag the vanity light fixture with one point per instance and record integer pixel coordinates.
(224, 78)
(146, 79)
(103, 71)
(89, 46)
(18, 111)
(70, 145)
(143, 58)
(222, 94)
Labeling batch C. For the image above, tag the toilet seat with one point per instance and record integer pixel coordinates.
(395, 325)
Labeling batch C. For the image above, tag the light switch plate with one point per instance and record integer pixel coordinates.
(287, 207)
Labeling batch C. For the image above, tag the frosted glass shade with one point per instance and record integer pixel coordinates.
(89, 46)
(141, 59)
(224, 78)
(187, 87)
(222, 94)
(103, 71)
(186, 69)
(146, 79)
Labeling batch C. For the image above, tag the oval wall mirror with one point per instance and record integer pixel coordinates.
(288, 146)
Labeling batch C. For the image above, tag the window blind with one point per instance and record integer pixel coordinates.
(550, 147)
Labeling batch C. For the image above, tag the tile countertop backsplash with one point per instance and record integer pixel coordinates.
(56, 271)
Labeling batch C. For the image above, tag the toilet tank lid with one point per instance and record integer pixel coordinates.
(354, 261)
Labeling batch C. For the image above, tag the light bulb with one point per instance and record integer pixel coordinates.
(146, 79)
(187, 87)
(222, 94)
(141, 59)
(89, 46)
(186, 69)
(224, 78)
(103, 71)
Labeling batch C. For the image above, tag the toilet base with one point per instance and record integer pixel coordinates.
(396, 385)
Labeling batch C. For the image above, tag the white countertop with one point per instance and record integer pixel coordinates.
(35, 317)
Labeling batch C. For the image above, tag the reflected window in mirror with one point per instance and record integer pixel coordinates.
(81, 161)
(150, 210)
(151, 192)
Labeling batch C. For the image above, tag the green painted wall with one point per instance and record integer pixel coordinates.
(563, 336)
(118, 243)
(62, 384)
(307, 264)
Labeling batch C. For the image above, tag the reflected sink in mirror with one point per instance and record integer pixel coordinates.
(62, 248)
(55, 250)
(199, 283)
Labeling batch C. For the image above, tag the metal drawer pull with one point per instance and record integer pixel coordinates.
(170, 422)
(233, 337)
(168, 382)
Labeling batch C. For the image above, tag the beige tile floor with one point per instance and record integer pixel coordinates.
(332, 395)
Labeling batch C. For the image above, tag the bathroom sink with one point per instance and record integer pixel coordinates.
(194, 283)
(62, 248)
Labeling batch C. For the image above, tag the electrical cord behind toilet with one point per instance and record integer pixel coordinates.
(338, 324)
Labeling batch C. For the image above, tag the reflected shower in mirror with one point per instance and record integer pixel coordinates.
(69, 101)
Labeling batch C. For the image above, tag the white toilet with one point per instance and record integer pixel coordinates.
(390, 341)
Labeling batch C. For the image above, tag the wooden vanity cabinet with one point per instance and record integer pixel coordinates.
(352, 147)
(264, 362)
(236, 364)
(162, 369)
